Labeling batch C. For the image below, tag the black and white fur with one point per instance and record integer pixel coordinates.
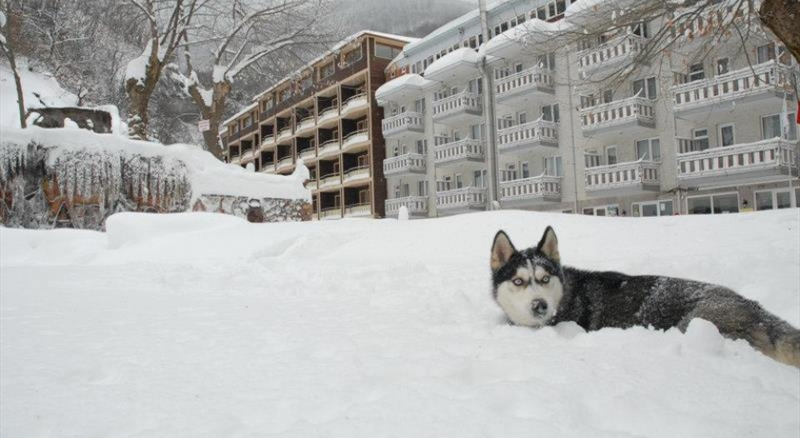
(534, 290)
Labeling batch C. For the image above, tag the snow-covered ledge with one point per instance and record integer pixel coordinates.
(75, 178)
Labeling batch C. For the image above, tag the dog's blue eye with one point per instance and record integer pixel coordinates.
(545, 279)
(518, 282)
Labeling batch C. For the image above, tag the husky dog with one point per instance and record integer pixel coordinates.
(535, 290)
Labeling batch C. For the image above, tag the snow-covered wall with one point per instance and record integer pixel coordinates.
(75, 178)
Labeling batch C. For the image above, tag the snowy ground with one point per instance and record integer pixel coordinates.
(200, 325)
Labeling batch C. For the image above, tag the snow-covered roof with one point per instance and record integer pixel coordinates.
(244, 111)
(594, 15)
(332, 50)
(533, 35)
(399, 87)
(460, 63)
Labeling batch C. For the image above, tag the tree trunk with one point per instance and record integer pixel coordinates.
(782, 17)
(139, 91)
(212, 113)
(18, 83)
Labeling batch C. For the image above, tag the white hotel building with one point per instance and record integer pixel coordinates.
(694, 130)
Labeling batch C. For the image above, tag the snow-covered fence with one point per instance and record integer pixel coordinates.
(73, 178)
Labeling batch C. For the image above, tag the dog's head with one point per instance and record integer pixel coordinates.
(527, 284)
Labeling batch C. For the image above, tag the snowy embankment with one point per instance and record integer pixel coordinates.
(201, 325)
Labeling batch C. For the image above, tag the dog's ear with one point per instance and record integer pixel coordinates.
(549, 245)
(502, 249)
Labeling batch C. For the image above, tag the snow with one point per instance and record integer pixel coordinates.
(412, 83)
(40, 89)
(207, 175)
(137, 67)
(463, 60)
(203, 325)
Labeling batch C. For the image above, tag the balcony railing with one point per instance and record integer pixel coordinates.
(284, 162)
(527, 80)
(328, 114)
(403, 122)
(736, 85)
(330, 147)
(307, 154)
(537, 187)
(775, 153)
(469, 103)
(464, 198)
(330, 180)
(307, 123)
(359, 210)
(285, 133)
(356, 173)
(402, 164)
(331, 213)
(312, 184)
(356, 137)
(622, 175)
(619, 112)
(414, 204)
(354, 102)
(538, 133)
(466, 149)
(609, 54)
(268, 141)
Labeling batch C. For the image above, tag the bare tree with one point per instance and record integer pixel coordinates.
(8, 50)
(240, 38)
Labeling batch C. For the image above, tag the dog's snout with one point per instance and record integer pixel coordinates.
(539, 307)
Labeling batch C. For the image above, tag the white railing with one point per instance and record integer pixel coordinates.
(765, 154)
(355, 137)
(307, 153)
(769, 76)
(524, 81)
(542, 186)
(360, 210)
(466, 149)
(621, 175)
(414, 205)
(457, 103)
(607, 54)
(532, 132)
(356, 173)
(333, 179)
(404, 164)
(467, 197)
(354, 101)
(329, 147)
(618, 112)
(408, 120)
(331, 213)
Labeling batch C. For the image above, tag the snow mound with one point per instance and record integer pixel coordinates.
(702, 337)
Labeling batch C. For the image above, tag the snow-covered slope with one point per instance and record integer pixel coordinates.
(200, 325)
(39, 90)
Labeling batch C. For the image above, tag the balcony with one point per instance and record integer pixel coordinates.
(354, 139)
(459, 151)
(464, 199)
(268, 142)
(329, 148)
(619, 114)
(285, 163)
(268, 168)
(359, 210)
(312, 184)
(416, 205)
(330, 180)
(531, 190)
(285, 133)
(403, 124)
(235, 159)
(528, 136)
(307, 124)
(460, 107)
(769, 80)
(330, 213)
(624, 178)
(328, 114)
(307, 154)
(622, 49)
(523, 84)
(357, 103)
(356, 174)
(748, 163)
(404, 164)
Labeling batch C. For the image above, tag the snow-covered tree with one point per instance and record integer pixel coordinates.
(8, 51)
(243, 35)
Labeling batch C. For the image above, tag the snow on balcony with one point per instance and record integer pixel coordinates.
(467, 149)
(408, 87)
(307, 124)
(457, 65)
(268, 142)
(355, 103)
(621, 49)
(330, 180)
(528, 135)
(355, 138)
(462, 104)
(329, 148)
(356, 174)
(532, 80)
(769, 79)
(403, 123)
(404, 164)
(285, 133)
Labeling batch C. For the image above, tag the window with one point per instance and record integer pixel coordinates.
(480, 178)
(553, 166)
(326, 70)
(765, 53)
(696, 73)
(522, 118)
(352, 56)
(459, 181)
(649, 209)
(714, 204)
(726, 135)
(510, 172)
(419, 105)
(606, 210)
(723, 66)
(774, 199)
(608, 96)
(611, 155)
(771, 127)
(592, 159)
(541, 13)
(649, 149)
(422, 146)
(645, 88)
(386, 52)
(476, 132)
(550, 113)
(640, 29)
(525, 169)
(422, 187)
(547, 61)
(700, 137)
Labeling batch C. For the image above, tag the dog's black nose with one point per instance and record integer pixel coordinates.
(539, 307)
